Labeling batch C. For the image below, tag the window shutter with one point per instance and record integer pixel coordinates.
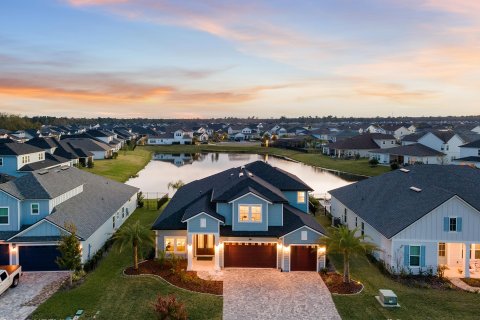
(446, 222)
(422, 256)
(459, 224)
(406, 255)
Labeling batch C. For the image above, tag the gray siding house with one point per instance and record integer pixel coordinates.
(255, 216)
(35, 208)
(421, 218)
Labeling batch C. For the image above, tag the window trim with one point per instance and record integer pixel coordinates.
(38, 209)
(419, 256)
(8, 216)
(249, 213)
(303, 195)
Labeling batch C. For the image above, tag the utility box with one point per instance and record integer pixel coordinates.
(387, 298)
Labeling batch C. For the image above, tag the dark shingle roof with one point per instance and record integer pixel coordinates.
(16, 149)
(388, 204)
(474, 144)
(202, 204)
(50, 161)
(361, 142)
(416, 149)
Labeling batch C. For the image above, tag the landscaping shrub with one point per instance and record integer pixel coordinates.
(315, 204)
(161, 257)
(373, 162)
(169, 308)
(394, 166)
(140, 198)
(115, 155)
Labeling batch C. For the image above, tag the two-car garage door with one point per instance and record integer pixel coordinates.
(38, 258)
(250, 255)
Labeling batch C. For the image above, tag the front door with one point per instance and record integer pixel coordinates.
(205, 245)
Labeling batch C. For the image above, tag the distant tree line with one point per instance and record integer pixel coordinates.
(15, 122)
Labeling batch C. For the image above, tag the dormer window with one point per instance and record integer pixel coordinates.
(250, 213)
(35, 209)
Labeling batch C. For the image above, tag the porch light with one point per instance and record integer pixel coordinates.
(279, 246)
(14, 247)
(287, 248)
(322, 250)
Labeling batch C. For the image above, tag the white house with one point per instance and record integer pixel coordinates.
(180, 136)
(469, 154)
(420, 218)
(361, 145)
(476, 129)
(447, 142)
(407, 155)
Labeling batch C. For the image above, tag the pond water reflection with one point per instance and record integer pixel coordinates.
(165, 168)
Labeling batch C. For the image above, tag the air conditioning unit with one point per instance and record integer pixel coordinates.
(387, 298)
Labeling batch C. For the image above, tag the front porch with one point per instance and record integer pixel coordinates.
(203, 252)
(461, 259)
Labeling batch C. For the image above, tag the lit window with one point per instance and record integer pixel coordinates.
(180, 245)
(3, 215)
(243, 213)
(169, 245)
(203, 223)
(35, 208)
(441, 249)
(414, 256)
(250, 213)
(453, 224)
(304, 235)
(256, 213)
(301, 197)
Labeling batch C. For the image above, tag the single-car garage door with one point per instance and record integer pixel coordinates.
(4, 254)
(250, 255)
(303, 258)
(38, 258)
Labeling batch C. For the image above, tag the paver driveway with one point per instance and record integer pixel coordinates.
(33, 289)
(271, 294)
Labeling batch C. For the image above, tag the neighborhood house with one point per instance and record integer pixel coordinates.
(255, 216)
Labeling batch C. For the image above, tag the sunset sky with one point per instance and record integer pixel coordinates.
(184, 59)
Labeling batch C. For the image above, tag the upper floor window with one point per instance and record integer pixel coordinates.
(35, 208)
(4, 216)
(345, 215)
(304, 235)
(453, 224)
(203, 223)
(250, 213)
(300, 197)
(478, 153)
(363, 228)
(1, 162)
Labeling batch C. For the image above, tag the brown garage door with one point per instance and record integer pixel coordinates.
(256, 255)
(303, 258)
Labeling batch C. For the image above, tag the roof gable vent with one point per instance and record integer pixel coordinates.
(415, 189)
(404, 170)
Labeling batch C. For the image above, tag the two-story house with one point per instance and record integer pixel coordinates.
(16, 159)
(35, 209)
(179, 136)
(420, 218)
(255, 216)
(469, 154)
(361, 145)
(108, 137)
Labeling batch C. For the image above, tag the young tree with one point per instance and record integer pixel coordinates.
(135, 235)
(345, 241)
(175, 185)
(70, 252)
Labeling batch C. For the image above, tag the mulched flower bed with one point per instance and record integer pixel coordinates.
(178, 276)
(472, 282)
(334, 283)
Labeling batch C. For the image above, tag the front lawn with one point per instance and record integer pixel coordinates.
(416, 303)
(117, 297)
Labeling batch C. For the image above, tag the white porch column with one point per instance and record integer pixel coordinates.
(467, 260)
(189, 252)
(217, 252)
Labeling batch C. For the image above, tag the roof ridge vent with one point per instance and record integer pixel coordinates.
(415, 189)
(404, 170)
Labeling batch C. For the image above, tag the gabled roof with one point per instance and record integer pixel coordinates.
(43, 143)
(202, 204)
(50, 160)
(416, 149)
(88, 144)
(474, 144)
(17, 149)
(388, 204)
(361, 142)
(224, 184)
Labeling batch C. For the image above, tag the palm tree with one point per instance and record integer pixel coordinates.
(135, 235)
(175, 185)
(345, 241)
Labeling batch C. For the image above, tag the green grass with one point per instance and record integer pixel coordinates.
(360, 167)
(416, 303)
(126, 165)
(117, 297)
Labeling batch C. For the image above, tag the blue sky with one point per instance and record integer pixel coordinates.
(154, 58)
